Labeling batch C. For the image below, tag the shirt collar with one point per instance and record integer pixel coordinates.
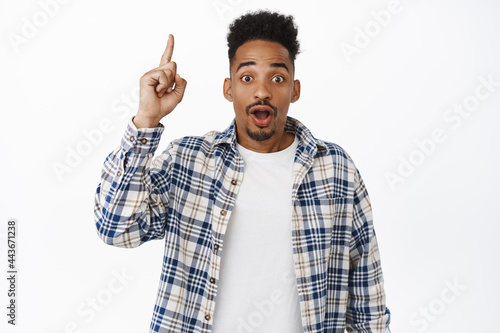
(309, 143)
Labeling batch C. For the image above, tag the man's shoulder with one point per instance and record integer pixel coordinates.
(331, 148)
(198, 143)
(322, 148)
(330, 153)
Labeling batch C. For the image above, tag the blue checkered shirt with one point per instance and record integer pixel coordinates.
(186, 195)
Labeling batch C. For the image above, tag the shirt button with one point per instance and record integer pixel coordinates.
(216, 246)
(212, 280)
(207, 317)
(118, 173)
(234, 182)
(223, 212)
(132, 139)
(144, 141)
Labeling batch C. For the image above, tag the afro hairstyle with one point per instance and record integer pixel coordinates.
(263, 25)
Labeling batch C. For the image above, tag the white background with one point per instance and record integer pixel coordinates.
(437, 226)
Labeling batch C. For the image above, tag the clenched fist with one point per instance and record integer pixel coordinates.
(161, 89)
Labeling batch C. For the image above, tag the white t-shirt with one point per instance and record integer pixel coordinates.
(257, 289)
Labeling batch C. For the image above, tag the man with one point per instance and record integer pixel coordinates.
(267, 229)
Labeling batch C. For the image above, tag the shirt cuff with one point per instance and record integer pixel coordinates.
(141, 141)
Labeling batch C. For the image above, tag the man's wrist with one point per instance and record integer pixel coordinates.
(141, 141)
(145, 122)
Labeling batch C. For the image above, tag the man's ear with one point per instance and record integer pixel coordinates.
(296, 91)
(228, 93)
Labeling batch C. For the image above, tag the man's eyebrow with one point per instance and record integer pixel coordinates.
(279, 64)
(243, 64)
(274, 65)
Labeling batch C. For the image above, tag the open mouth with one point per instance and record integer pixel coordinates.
(261, 115)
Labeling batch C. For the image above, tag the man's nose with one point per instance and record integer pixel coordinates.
(262, 91)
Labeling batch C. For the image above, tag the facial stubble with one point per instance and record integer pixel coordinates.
(262, 135)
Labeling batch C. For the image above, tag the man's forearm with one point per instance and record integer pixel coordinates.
(126, 213)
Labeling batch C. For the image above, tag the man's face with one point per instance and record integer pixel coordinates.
(261, 88)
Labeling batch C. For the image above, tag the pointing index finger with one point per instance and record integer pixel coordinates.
(167, 55)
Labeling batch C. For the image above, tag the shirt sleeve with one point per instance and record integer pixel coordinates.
(131, 200)
(366, 311)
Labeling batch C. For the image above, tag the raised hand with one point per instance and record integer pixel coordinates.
(161, 89)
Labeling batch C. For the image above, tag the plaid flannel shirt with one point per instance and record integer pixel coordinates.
(186, 196)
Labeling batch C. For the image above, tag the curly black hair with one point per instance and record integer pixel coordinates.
(263, 25)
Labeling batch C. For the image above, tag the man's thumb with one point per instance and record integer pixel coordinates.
(180, 87)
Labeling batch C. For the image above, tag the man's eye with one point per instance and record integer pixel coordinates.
(278, 79)
(246, 78)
